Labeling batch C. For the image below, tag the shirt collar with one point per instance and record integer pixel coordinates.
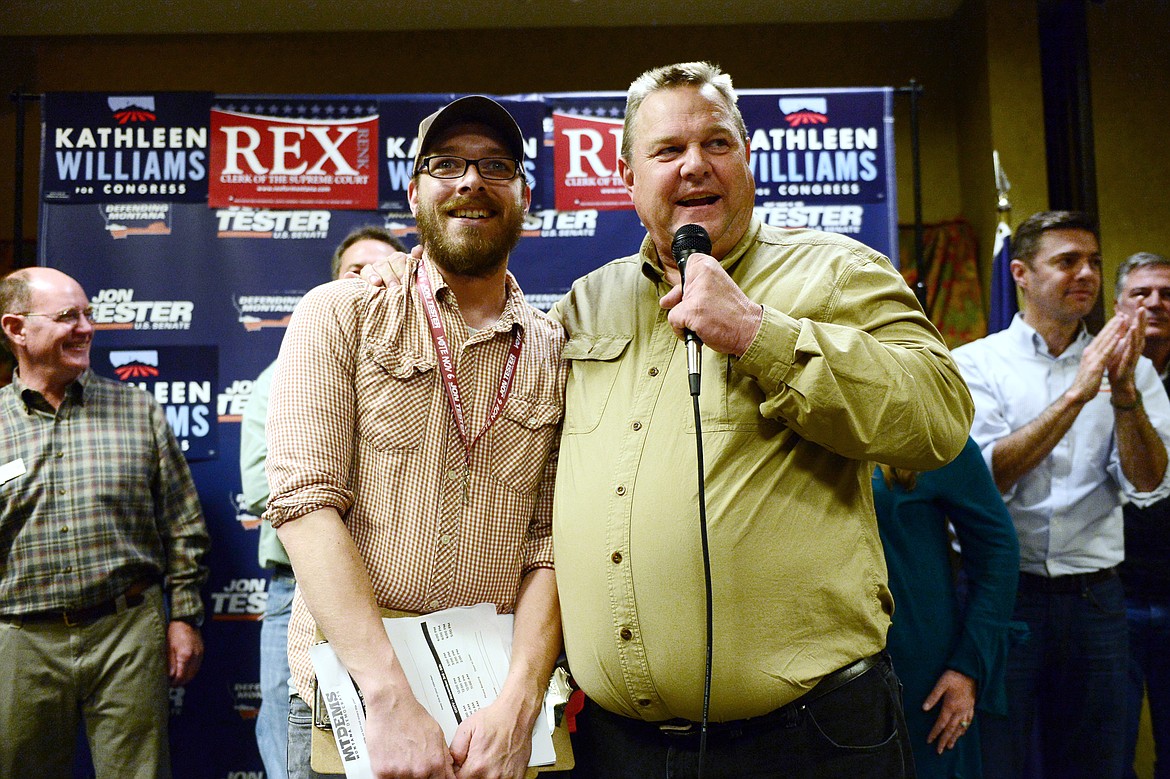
(1028, 339)
(31, 398)
(514, 309)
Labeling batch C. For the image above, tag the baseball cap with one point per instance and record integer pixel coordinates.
(473, 108)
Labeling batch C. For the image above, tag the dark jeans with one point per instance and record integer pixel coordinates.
(1149, 676)
(1067, 683)
(857, 731)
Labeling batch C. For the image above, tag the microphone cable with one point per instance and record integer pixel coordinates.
(706, 581)
(689, 239)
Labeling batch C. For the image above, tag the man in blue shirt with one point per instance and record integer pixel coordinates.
(1067, 423)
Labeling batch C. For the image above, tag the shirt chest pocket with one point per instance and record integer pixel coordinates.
(594, 361)
(521, 440)
(394, 392)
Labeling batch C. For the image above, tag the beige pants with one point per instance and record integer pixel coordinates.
(110, 675)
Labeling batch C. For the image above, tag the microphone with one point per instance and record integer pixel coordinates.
(688, 240)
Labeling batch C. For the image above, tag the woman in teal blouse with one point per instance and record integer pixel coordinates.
(949, 652)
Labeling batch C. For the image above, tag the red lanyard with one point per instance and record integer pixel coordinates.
(447, 364)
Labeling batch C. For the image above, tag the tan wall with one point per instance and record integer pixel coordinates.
(1000, 109)
(1131, 124)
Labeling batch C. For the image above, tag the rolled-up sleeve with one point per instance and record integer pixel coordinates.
(311, 417)
(1157, 408)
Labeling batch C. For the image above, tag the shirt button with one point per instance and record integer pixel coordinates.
(64, 528)
(616, 557)
(445, 539)
(626, 634)
(60, 455)
(653, 371)
(433, 604)
(637, 425)
(532, 421)
(69, 569)
(61, 491)
(621, 489)
(454, 474)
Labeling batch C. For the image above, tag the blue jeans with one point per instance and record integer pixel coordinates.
(855, 731)
(300, 740)
(272, 722)
(1149, 675)
(1067, 683)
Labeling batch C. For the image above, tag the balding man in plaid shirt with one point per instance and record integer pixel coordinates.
(99, 520)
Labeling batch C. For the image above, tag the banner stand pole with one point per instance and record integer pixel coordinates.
(915, 91)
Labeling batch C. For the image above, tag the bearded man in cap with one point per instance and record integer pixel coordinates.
(398, 484)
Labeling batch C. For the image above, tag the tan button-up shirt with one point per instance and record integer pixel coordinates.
(359, 420)
(845, 370)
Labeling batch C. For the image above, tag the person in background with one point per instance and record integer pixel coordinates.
(1143, 282)
(950, 655)
(360, 248)
(1068, 424)
(101, 559)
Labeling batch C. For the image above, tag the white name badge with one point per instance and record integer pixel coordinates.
(9, 471)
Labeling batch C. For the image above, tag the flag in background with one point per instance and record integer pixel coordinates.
(1003, 288)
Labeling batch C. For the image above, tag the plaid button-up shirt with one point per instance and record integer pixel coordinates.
(359, 421)
(96, 495)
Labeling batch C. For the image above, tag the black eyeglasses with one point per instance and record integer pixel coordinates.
(70, 316)
(448, 166)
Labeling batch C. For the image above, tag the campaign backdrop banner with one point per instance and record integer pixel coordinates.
(831, 144)
(184, 381)
(222, 281)
(583, 179)
(125, 147)
(824, 159)
(586, 145)
(285, 153)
